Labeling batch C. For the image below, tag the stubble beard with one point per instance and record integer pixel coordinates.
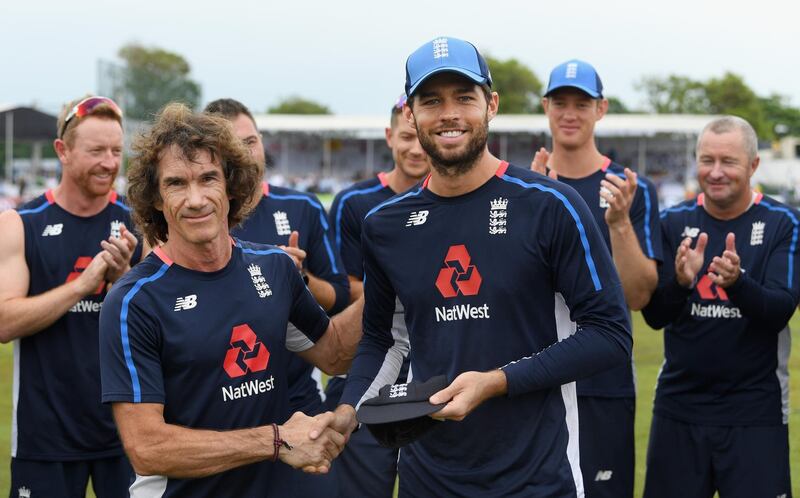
(457, 164)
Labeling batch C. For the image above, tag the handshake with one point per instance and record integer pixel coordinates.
(312, 443)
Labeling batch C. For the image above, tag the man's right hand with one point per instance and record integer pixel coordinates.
(539, 164)
(93, 276)
(688, 261)
(311, 455)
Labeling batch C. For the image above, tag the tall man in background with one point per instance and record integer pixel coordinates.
(721, 408)
(625, 207)
(58, 255)
(365, 468)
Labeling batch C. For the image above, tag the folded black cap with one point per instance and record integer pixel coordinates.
(399, 414)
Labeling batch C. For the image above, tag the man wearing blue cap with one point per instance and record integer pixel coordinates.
(490, 262)
(625, 208)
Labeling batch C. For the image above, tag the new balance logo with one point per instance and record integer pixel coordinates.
(53, 230)
(690, 232)
(282, 223)
(603, 475)
(757, 233)
(417, 218)
(186, 303)
(440, 48)
(398, 391)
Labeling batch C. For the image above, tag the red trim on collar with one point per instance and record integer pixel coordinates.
(112, 197)
(758, 198)
(426, 180)
(606, 163)
(701, 199)
(159, 252)
(382, 177)
(501, 170)
(265, 188)
(50, 197)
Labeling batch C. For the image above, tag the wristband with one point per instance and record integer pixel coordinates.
(278, 442)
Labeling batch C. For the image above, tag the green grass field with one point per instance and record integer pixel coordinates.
(648, 351)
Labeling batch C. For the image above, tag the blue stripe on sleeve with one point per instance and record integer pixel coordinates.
(677, 210)
(393, 200)
(122, 205)
(339, 208)
(37, 209)
(647, 208)
(584, 240)
(123, 321)
(793, 244)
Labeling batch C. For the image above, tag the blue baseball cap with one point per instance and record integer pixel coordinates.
(445, 54)
(576, 74)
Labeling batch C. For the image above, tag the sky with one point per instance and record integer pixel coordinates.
(350, 54)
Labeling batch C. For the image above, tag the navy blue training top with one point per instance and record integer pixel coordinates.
(278, 213)
(212, 348)
(726, 350)
(348, 210)
(491, 279)
(619, 381)
(57, 414)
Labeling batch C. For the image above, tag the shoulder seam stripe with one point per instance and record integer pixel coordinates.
(575, 217)
(392, 201)
(123, 329)
(678, 209)
(340, 207)
(37, 209)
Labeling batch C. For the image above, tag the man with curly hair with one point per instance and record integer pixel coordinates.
(58, 255)
(194, 343)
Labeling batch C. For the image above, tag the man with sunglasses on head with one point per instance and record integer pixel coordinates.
(625, 208)
(59, 254)
(490, 262)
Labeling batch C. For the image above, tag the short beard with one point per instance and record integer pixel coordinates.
(461, 164)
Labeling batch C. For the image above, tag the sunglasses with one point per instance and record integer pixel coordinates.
(85, 108)
(401, 101)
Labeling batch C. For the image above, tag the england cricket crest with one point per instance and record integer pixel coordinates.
(261, 285)
(116, 229)
(498, 216)
(282, 223)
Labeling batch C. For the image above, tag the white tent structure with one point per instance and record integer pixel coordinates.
(331, 145)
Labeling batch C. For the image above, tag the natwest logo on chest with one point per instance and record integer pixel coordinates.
(458, 276)
(246, 354)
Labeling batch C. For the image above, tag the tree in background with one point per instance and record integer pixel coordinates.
(617, 106)
(298, 105)
(152, 78)
(517, 84)
(784, 118)
(674, 95)
(730, 95)
(771, 117)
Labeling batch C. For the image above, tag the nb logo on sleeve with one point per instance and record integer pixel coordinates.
(417, 218)
(53, 230)
(186, 303)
